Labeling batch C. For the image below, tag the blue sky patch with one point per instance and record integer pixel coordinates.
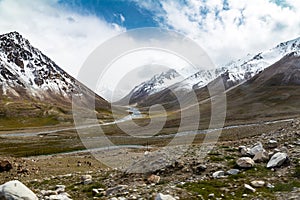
(112, 12)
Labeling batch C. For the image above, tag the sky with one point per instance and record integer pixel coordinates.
(67, 31)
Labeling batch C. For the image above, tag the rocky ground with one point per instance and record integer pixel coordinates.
(266, 166)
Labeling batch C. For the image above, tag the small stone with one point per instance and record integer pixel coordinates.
(218, 174)
(161, 196)
(212, 195)
(233, 172)
(95, 191)
(244, 150)
(153, 179)
(116, 189)
(60, 188)
(48, 192)
(59, 197)
(272, 143)
(86, 179)
(245, 162)
(199, 168)
(270, 186)
(258, 184)
(5, 166)
(248, 187)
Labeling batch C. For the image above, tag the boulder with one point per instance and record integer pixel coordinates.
(262, 156)
(277, 160)
(258, 147)
(161, 196)
(258, 184)
(15, 190)
(5, 166)
(245, 162)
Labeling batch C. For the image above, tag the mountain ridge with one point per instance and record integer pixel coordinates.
(32, 84)
(233, 73)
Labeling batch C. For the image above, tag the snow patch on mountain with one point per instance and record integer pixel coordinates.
(234, 72)
(23, 67)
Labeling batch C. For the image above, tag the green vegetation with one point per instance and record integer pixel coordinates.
(297, 171)
(286, 187)
(218, 187)
(26, 122)
(216, 158)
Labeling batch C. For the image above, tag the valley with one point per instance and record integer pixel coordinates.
(62, 148)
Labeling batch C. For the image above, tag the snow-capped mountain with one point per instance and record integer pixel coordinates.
(156, 84)
(232, 73)
(26, 73)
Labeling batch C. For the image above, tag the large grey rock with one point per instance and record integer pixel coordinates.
(258, 147)
(245, 162)
(15, 190)
(277, 160)
(161, 196)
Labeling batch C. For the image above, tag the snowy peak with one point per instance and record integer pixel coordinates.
(232, 73)
(23, 66)
(160, 81)
(289, 46)
(26, 73)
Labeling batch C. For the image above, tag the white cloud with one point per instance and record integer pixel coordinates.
(66, 37)
(244, 27)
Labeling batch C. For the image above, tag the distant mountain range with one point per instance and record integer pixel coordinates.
(161, 88)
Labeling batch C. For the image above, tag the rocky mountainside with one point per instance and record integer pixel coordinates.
(27, 76)
(232, 74)
(156, 84)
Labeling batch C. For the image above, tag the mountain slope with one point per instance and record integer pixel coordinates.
(275, 92)
(272, 94)
(233, 73)
(31, 84)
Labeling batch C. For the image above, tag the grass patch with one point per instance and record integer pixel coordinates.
(286, 187)
(229, 157)
(216, 158)
(26, 122)
(297, 172)
(217, 187)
